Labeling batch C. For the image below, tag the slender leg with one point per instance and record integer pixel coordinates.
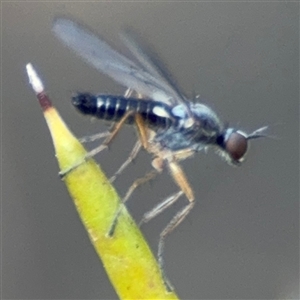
(143, 134)
(134, 152)
(112, 135)
(94, 137)
(181, 180)
(137, 147)
(103, 146)
(135, 184)
(98, 136)
(143, 131)
(176, 220)
(159, 208)
(143, 141)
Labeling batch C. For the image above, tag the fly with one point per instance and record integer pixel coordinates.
(171, 128)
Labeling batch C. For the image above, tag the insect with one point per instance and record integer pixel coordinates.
(171, 128)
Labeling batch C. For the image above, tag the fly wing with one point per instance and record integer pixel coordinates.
(150, 63)
(108, 61)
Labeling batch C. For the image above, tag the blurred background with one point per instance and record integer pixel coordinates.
(241, 241)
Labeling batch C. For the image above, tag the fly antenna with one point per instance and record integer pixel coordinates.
(260, 132)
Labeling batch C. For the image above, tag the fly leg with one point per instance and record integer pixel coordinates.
(97, 136)
(175, 221)
(135, 184)
(103, 146)
(94, 137)
(160, 207)
(112, 135)
(143, 141)
(143, 134)
(134, 152)
(181, 180)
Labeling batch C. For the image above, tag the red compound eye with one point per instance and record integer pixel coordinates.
(236, 146)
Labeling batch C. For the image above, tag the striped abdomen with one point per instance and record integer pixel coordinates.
(112, 108)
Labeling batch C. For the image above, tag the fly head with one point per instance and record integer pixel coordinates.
(234, 143)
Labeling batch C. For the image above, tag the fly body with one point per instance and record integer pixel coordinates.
(170, 127)
(156, 115)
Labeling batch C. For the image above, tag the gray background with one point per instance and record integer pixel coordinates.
(241, 241)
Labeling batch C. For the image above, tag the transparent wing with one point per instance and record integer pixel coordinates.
(108, 61)
(149, 61)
